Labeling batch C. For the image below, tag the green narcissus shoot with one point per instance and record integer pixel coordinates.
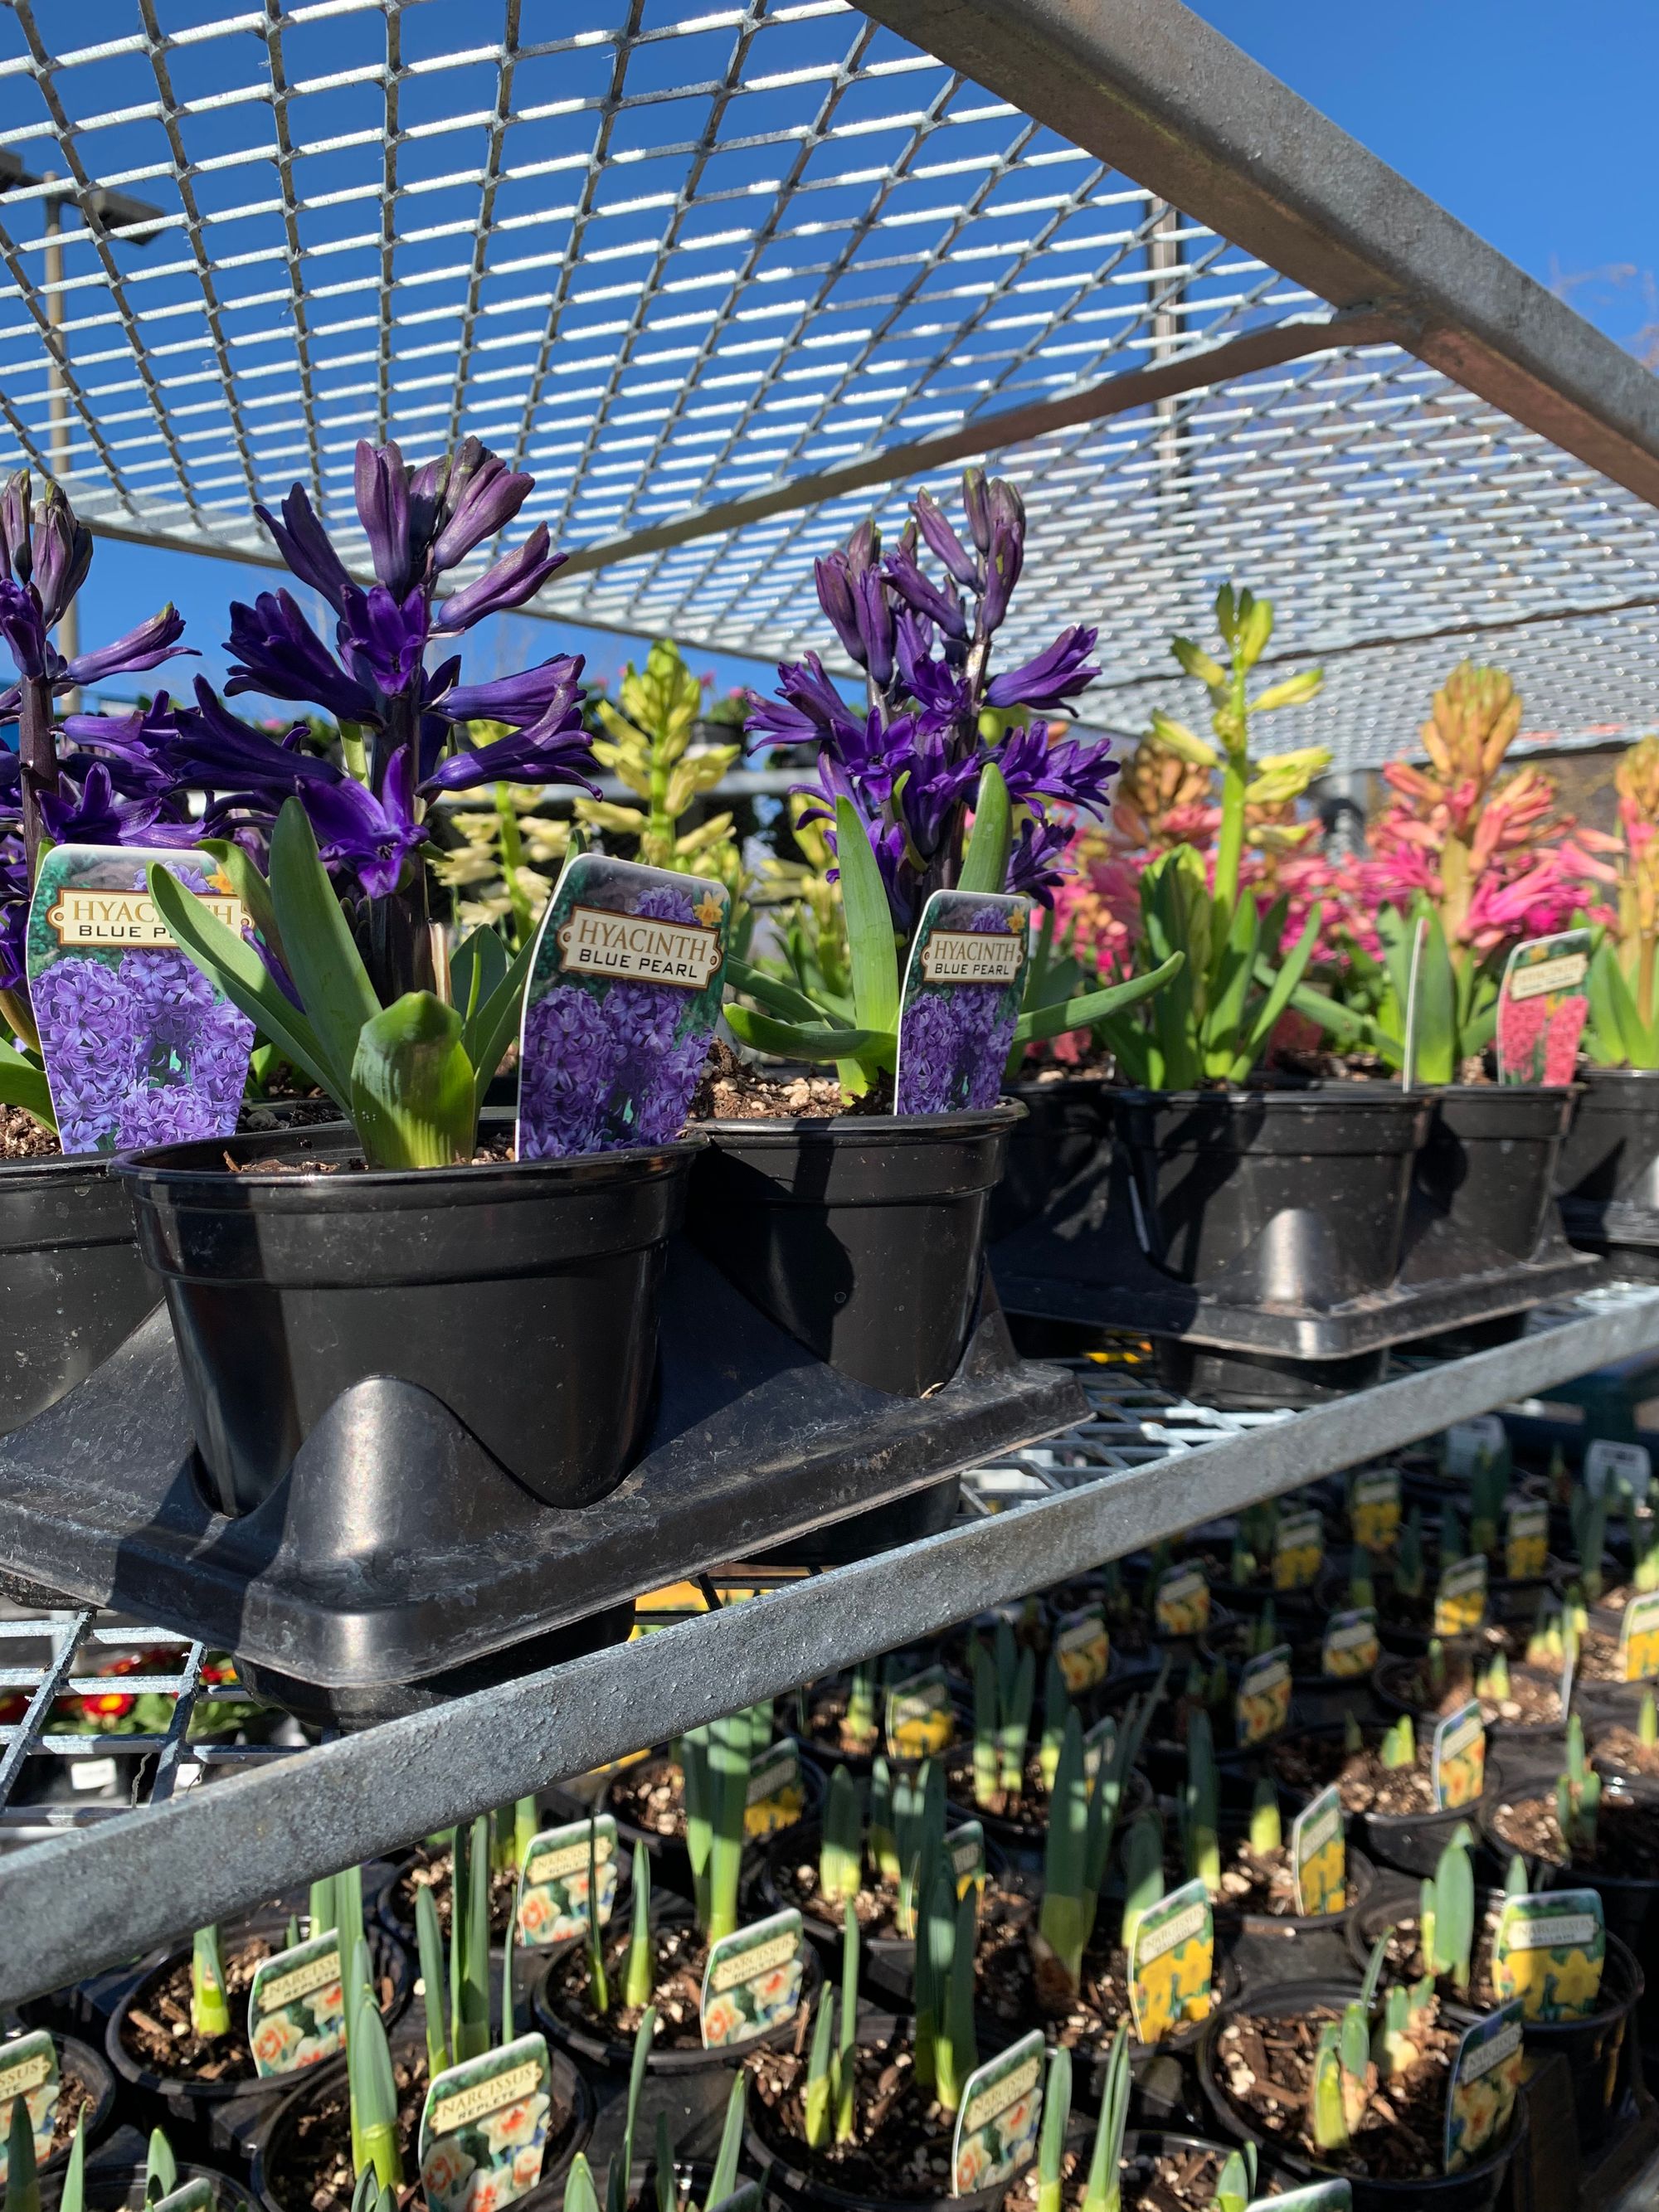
(1353, 1736)
(1399, 1745)
(1263, 1633)
(667, 2191)
(598, 1980)
(367, 2194)
(1051, 2144)
(617, 2173)
(1373, 1975)
(956, 2051)
(1409, 1574)
(1487, 1486)
(1065, 1917)
(1240, 1560)
(1199, 1806)
(469, 1943)
(1645, 1551)
(724, 2180)
(1515, 1883)
(321, 1915)
(1590, 1535)
(729, 1744)
(841, 1854)
(1362, 1590)
(1494, 1681)
(1356, 2048)
(1393, 2049)
(919, 1828)
(1452, 1548)
(860, 1724)
(1014, 1725)
(1235, 2187)
(1544, 1645)
(210, 2013)
(1103, 2190)
(524, 1831)
(820, 2087)
(579, 2194)
(1267, 1822)
(1448, 1914)
(349, 1909)
(161, 2167)
(1437, 1666)
(508, 2009)
(1056, 1705)
(22, 2180)
(374, 2090)
(292, 1936)
(1647, 1720)
(1143, 1871)
(1327, 2113)
(986, 1712)
(641, 1978)
(846, 2061)
(1577, 1794)
(692, 1754)
(428, 1941)
(72, 2197)
(884, 1843)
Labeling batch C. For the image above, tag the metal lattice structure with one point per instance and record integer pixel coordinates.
(725, 278)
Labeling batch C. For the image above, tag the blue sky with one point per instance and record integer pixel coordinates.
(1530, 121)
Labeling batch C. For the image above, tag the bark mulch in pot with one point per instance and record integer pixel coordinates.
(1311, 1762)
(1176, 2176)
(796, 1883)
(681, 1955)
(1626, 1836)
(1020, 1989)
(1621, 1751)
(1534, 1698)
(901, 2150)
(156, 2032)
(1265, 2063)
(826, 1725)
(75, 2098)
(435, 1871)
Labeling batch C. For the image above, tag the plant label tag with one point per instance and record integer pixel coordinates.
(1460, 1602)
(1627, 1469)
(1374, 1509)
(752, 1981)
(1317, 2197)
(999, 2118)
(1319, 1855)
(1542, 1006)
(921, 1721)
(1351, 1644)
(1298, 1551)
(1526, 1539)
(198, 2196)
(1181, 1605)
(1549, 1952)
(484, 2128)
(295, 2009)
(1469, 1444)
(625, 989)
(1099, 1746)
(963, 987)
(966, 1846)
(1083, 1651)
(139, 1048)
(1460, 1758)
(553, 1882)
(29, 2070)
(1262, 1705)
(777, 1796)
(1638, 1638)
(1485, 2077)
(1172, 1962)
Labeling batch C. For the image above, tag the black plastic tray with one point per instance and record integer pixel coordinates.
(397, 1562)
(1626, 1235)
(1082, 1262)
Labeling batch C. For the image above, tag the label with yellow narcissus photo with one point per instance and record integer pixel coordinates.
(1082, 1648)
(921, 1720)
(1298, 1551)
(1181, 1603)
(1549, 1952)
(1319, 1855)
(1638, 1638)
(1172, 1963)
(1460, 1758)
(1263, 1703)
(999, 2118)
(1374, 1508)
(1351, 1644)
(29, 2070)
(777, 1794)
(1460, 1603)
(296, 2008)
(1486, 2077)
(1526, 1539)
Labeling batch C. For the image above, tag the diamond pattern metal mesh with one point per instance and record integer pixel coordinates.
(664, 258)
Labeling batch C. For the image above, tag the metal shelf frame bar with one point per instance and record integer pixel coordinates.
(73, 1904)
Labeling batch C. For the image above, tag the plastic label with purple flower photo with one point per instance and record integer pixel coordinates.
(963, 987)
(139, 1047)
(624, 991)
(1542, 1008)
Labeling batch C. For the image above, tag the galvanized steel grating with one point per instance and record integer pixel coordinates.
(670, 258)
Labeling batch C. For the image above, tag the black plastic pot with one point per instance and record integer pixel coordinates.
(71, 1282)
(1067, 1127)
(1289, 1197)
(188, 2108)
(1600, 2049)
(523, 1297)
(1474, 2190)
(121, 2188)
(863, 1236)
(570, 2094)
(1488, 1165)
(78, 2062)
(1612, 1148)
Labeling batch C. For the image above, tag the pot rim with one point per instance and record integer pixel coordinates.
(1629, 1965)
(1338, 1097)
(149, 1172)
(866, 1128)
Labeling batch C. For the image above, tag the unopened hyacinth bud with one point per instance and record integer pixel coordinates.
(63, 555)
(977, 507)
(835, 596)
(944, 542)
(875, 619)
(382, 490)
(16, 550)
(864, 548)
(482, 496)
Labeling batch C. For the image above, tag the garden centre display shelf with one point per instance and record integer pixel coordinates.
(205, 1842)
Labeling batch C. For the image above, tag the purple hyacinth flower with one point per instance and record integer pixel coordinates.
(944, 542)
(278, 653)
(551, 685)
(1072, 773)
(555, 750)
(507, 585)
(382, 638)
(92, 815)
(382, 484)
(835, 596)
(1002, 567)
(305, 548)
(147, 647)
(63, 555)
(1055, 674)
(919, 591)
(481, 496)
(24, 629)
(16, 542)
